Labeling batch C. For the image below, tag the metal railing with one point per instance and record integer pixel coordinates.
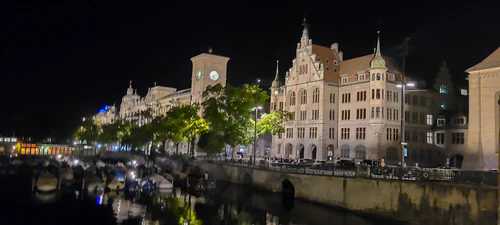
(414, 174)
(433, 174)
(288, 168)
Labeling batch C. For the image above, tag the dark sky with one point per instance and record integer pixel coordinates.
(61, 60)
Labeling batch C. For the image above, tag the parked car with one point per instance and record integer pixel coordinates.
(346, 164)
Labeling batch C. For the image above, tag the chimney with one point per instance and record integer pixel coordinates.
(341, 56)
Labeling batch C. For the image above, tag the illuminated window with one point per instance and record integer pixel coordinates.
(429, 119)
(463, 92)
(429, 138)
(442, 89)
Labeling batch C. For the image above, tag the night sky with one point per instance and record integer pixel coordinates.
(66, 59)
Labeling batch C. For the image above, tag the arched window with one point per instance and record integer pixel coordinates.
(300, 70)
(361, 152)
(392, 153)
(292, 98)
(316, 95)
(303, 97)
(378, 76)
(373, 76)
(345, 152)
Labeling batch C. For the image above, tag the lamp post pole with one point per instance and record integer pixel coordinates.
(255, 136)
(255, 127)
(403, 89)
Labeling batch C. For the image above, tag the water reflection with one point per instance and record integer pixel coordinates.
(224, 205)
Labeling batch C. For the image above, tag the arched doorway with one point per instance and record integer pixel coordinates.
(301, 150)
(313, 151)
(288, 150)
(456, 161)
(361, 152)
(329, 153)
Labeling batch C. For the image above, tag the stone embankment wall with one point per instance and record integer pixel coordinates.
(408, 201)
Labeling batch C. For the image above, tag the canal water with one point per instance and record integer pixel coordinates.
(227, 204)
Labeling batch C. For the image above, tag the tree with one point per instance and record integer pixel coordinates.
(87, 132)
(273, 122)
(229, 110)
(186, 123)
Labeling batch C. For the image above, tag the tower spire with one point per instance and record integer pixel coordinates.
(378, 62)
(129, 89)
(276, 82)
(305, 31)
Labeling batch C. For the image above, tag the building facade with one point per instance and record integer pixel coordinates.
(208, 70)
(484, 114)
(350, 109)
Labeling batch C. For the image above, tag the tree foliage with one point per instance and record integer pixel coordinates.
(87, 132)
(229, 110)
(272, 123)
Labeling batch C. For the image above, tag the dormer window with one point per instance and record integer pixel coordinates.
(326, 60)
(335, 62)
(441, 121)
(459, 121)
(361, 77)
(392, 77)
(327, 68)
(343, 80)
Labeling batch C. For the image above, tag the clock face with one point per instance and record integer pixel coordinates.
(198, 74)
(214, 75)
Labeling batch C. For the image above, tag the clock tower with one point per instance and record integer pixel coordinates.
(208, 70)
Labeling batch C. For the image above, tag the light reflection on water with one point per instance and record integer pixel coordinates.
(227, 204)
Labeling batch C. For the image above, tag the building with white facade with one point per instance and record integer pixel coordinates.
(484, 114)
(106, 115)
(208, 70)
(350, 109)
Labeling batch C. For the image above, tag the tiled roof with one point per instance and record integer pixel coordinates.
(362, 63)
(492, 61)
(330, 75)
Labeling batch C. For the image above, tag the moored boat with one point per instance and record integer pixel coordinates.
(161, 182)
(66, 173)
(46, 182)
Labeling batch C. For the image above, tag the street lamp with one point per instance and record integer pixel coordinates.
(403, 86)
(403, 89)
(255, 134)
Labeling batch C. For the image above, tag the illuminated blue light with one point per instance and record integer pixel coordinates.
(98, 200)
(442, 106)
(106, 107)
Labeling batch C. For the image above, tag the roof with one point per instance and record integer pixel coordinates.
(492, 61)
(178, 93)
(330, 75)
(362, 63)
